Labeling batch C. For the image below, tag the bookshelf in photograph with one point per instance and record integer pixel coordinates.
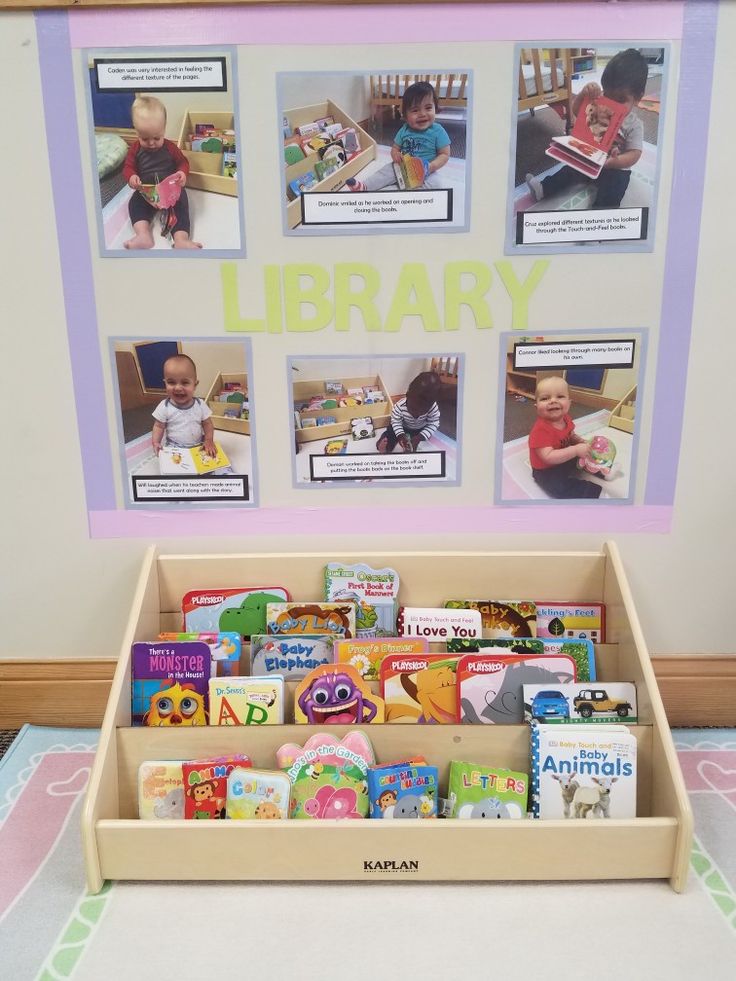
(302, 392)
(228, 385)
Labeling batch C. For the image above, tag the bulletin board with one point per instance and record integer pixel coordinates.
(373, 253)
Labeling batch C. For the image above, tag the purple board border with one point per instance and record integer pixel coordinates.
(694, 94)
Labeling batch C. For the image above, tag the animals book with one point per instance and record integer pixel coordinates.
(489, 685)
(225, 648)
(583, 772)
(160, 790)
(169, 682)
(328, 776)
(257, 795)
(420, 688)
(240, 609)
(247, 701)
(205, 785)
(604, 702)
(311, 618)
(367, 654)
(588, 146)
(511, 618)
(572, 621)
(403, 790)
(411, 173)
(373, 591)
(477, 791)
(293, 657)
(183, 461)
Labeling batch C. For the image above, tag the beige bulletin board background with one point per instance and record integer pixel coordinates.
(66, 594)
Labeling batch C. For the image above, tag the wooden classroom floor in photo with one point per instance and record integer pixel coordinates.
(518, 484)
(215, 220)
(142, 461)
(438, 442)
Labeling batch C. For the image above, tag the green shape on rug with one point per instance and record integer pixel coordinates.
(725, 903)
(700, 863)
(716, 883)
(91, 909)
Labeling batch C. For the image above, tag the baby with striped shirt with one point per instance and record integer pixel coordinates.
(414, 418)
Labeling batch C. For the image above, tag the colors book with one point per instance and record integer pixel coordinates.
(257, 795)
(169, 683)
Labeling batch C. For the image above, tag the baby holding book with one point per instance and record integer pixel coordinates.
(150, 159)
(624, 80)
(420, 136)
(181, 419)
(555, 447)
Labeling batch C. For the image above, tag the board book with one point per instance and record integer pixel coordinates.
(420, 688)
(583, 772)
(572, 621)
(403, 790)
(205, 785)
(240, 609)
(366, 656)
(489, 685)
(303, 617)
(508, 618)
(477, 791)
(169, 683)
(518, 645)
(225, 647)
(595, 704)
(160, 790)
(247, 701)
(291, 657)
(588, 146)
(182, 461)
(328, 776)
(581, 651)
(373, 591)
(257, 795)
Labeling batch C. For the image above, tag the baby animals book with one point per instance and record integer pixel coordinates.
(182, 461)
(583, 772)
(169, 683)
(588, 146)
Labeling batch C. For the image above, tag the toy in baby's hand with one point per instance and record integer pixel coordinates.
(603, 455)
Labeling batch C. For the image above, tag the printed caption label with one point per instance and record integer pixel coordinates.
(155, 75)
(234, 488)
(377, 466)
(568, 354)
(376, 207)
(557, 227)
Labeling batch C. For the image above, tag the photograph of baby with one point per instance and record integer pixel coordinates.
(587, 138)
(379, 419)
(164, 142)
(379, 139)
(569, 417)
(184, 416)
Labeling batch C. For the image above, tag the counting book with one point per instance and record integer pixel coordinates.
(403, 790)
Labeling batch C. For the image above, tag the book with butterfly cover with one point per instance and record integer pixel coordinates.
(589, 145)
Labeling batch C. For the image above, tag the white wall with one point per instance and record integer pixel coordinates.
(64, 595)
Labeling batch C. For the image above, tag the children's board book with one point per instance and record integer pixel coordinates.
(292, 657)
(247, 701)
(572, 621)
(373, 591)
(169, 683)
(311, 618)
(328, 776)
(225, 649)
(160, 790)
(438, 624)
(420, 688)
(512, 618)
(257, 795)
(367, 655)
(177, 461)
(411, 173)
(403, 790)
(581, 651)
(205, 785)
(588, 146)
(520, 645)
(240, 609)
(602, 703)
(486, 792)
(164, 194)
(584, 772)
(489, 685)
(335, 694)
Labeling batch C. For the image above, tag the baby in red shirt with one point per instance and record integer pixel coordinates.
(554, 446)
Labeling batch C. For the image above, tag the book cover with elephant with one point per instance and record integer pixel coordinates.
(490, 685)
(583, 773)
(480, 792)
(589, 144)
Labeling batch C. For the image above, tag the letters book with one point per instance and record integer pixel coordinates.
(583, 772)
(373, 591)
(589, 144)
(247, 701)
(177, 461)
(225, 648)
(293, 657)
(205, 785)
(257, 795)
(603, 702)
(240, 609)
(366, 656)
(489, 686)
(169, 683)
(572, 621)
(420, 688)
(403, 790)
(476, 790)
(510, 618)
(160, 790)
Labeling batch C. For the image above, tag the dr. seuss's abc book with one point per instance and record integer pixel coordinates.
(420, 688)
(374, 592)
(488, 792)
(169, 683)
(160, 790)
(328, 776)
(583, 772)
(247, 701)
(596, 127)
(225, 649)
(257, 795)
(490, 684)
(240, 609)
(367, 655)
(511, 618)
(293, 657)
(572, 621)
(310, 618)
(205, 785)
(403, 790)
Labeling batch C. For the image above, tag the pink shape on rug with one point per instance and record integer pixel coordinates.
(44, 804)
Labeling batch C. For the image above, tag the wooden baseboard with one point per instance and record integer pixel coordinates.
(697, 690)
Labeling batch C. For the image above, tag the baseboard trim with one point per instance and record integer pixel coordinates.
(697, 690)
